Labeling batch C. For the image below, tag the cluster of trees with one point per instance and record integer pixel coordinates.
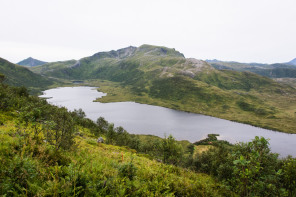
(43, 122)
(249, 169)
(168, 150)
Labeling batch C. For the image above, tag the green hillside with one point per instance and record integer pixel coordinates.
(48, 151)
(162, 76)
(19, 76)
(29, 62)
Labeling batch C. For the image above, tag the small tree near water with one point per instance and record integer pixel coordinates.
(172, 151)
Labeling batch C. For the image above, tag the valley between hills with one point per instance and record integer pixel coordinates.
(46, 150)
(163, 76)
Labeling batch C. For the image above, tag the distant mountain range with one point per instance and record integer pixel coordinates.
(278, 70)
(31, 62)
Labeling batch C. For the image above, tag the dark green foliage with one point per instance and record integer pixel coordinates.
(289, 175)
(80, 113)
(17, 174)
(244, 105)
(60, 129)
(212, 140)
(255, 170)
(2, 78)
(102, 124)
(249, 169)
(127, 170)
(215, 162)
(19, 76)
(111, 134)
(171, 150)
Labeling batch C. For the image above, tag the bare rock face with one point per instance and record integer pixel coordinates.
(126, 52)
(192, 66)
(189, 68)
(100, 140)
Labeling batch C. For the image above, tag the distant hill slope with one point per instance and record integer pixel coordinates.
(163, 76)
(30, 62)
(19, 76)
(278, 70)
(292, 62)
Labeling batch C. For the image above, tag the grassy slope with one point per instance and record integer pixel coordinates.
(92, 169)
(20, 76)
(162, 76)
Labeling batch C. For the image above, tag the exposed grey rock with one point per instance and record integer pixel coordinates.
(100, 140)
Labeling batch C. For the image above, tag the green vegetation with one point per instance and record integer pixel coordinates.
(162, 76)
(20, 76)
(47, 151)
(249, 169)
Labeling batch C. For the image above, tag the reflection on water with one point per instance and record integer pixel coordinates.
(147, 119)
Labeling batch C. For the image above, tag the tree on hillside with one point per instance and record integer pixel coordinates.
(103, 124)
(60, 129)
(2, 78)
(172, 151)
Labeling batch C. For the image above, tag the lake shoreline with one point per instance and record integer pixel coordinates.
(154, 120)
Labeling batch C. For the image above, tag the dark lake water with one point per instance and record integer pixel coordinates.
(148, 119)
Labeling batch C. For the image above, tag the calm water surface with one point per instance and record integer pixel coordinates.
(148, 119)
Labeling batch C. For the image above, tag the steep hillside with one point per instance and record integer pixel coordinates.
(47, 151)
(30, 62)
(19, 76)
(163, 76)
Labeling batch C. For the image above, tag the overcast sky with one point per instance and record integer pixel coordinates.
(240, 30)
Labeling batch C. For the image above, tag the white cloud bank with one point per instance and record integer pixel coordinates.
(239, 30)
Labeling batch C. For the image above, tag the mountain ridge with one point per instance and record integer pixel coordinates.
(275, 70)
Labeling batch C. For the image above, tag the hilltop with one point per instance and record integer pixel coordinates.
(163, 76)
(20, 76)
(31, 62)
